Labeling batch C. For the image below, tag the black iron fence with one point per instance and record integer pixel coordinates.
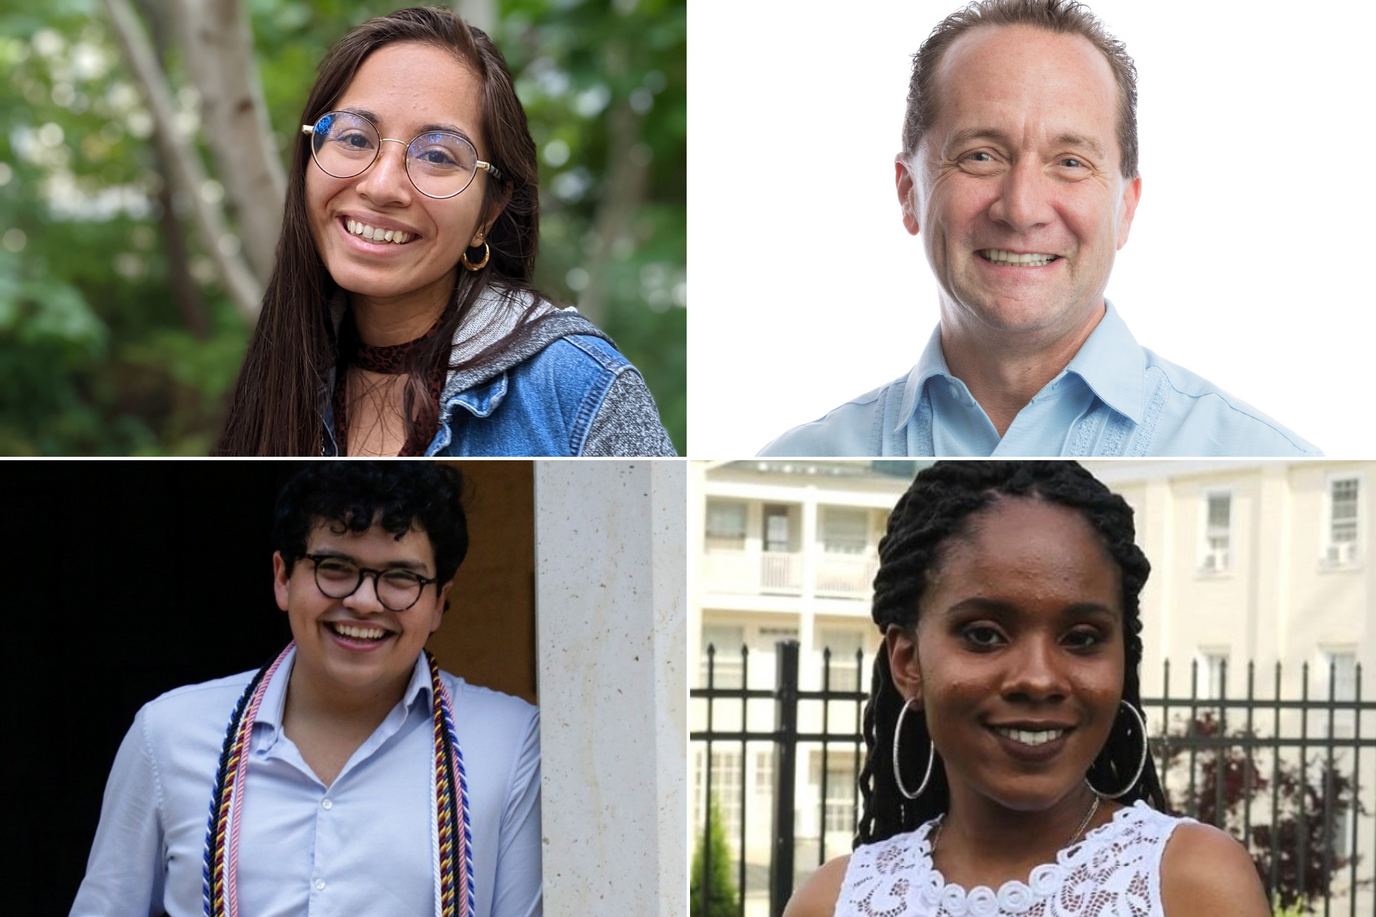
(1290, 777)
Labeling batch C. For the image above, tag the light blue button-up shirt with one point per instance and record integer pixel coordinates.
(1115, 398)
(358, 848)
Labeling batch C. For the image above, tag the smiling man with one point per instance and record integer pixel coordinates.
(1019, 175)
(350, 775)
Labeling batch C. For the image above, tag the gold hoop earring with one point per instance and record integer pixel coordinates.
(487, 253)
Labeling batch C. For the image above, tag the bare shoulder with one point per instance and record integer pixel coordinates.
(817, 896)
(1205, 871)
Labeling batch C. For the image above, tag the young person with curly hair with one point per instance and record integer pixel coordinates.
(349, 775)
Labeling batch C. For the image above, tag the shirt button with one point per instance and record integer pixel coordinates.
(319, 884)
(327, 804)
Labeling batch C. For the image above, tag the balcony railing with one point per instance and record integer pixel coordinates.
(781, 572)
(845, 575)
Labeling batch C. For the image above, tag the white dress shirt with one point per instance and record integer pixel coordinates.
(359, 848)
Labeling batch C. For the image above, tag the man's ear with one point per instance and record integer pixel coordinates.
(1132, 193)
(901, 645)
(903, 179)
(443, 604)
(280, 579)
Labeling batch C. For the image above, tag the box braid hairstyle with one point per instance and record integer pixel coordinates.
(937, 509)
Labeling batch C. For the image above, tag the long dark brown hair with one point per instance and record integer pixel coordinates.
(935, 511)
(275, 408)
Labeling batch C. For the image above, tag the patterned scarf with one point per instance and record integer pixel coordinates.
(391, 360)
(451, 837)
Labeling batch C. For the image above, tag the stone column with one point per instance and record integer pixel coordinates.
(611, 644)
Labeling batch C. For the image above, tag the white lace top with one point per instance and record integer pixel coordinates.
(1115, 870)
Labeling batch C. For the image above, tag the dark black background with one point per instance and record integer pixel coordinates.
(125, 580)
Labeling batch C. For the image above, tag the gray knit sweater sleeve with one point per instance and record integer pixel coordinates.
(627, 423)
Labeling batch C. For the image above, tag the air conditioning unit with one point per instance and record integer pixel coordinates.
(1342, 554)
(1216, 560)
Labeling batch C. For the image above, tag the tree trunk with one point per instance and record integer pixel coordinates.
(217, 44)
(185, 290)
(186, 169)
(626, 184)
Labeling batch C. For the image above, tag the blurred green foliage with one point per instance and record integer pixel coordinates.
(98, 357)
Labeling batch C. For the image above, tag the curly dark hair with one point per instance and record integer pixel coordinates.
(1064, 17)
(935, 511)
(399, 496)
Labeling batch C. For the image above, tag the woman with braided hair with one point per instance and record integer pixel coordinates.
(349, 775)
(1006, 768)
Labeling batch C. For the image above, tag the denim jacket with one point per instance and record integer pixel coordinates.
(566, 391)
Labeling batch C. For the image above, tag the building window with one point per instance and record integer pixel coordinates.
(1213, 668)
(726, 792)
(781, 564)
(1339, 673)
(764, 774)
(841, 791)
(727, 665)
(1344, 520)
(777, 530)
(1340, 670)
(725, 526)
(844, 530)
(844, 643)
(1218, 531)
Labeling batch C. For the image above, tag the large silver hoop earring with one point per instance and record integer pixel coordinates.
(1141, 762)
(487, 253)
(898, 771)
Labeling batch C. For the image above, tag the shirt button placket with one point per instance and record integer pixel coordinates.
(318, 883)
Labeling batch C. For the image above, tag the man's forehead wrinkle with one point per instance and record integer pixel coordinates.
(1066, 138)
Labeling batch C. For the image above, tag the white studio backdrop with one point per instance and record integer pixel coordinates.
(1247, 262)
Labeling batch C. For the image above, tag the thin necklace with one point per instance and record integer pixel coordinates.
(1084, 823)
(450, 834)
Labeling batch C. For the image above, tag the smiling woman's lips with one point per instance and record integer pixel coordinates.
(1031, 754)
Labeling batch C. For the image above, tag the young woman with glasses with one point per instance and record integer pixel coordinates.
(1006, 768)
(399, 319)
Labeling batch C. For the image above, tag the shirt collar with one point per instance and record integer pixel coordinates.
(1112, 364)
(274, 706)
(931, 363)
(1110, 361)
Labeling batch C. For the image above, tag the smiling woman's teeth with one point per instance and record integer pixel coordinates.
(1028, 737)
(999, 256)
(373, 234)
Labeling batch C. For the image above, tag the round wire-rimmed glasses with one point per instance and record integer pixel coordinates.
(440, 164)
(339, 577)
